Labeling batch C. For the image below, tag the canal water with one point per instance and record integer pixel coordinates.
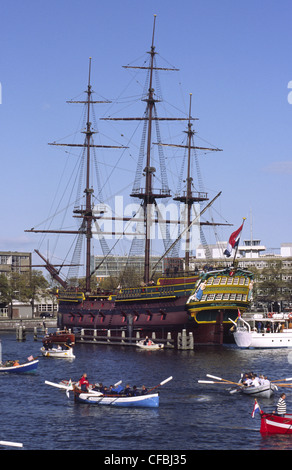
(191, 416)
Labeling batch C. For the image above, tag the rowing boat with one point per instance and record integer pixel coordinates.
(58, 353)
(274, 424)
(27, 367)
(141, 400)
(150, 400)
(149, 345)
(263, 391)
(13, 366)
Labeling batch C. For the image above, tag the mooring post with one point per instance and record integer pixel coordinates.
(35, 333)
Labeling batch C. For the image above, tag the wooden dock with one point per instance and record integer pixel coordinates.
(183, 341)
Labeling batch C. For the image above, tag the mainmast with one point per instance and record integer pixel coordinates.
(85, 213)
(148, 195)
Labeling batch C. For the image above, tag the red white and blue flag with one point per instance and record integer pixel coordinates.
(256, 409)
(233, 241)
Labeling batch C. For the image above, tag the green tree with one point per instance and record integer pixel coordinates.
(271, 283)
(25, 287)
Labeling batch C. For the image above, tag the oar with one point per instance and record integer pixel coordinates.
(280, 380)
(11, 444)
(118, 383)
(224, 380)
(211, 382)
(161, 383)
(284, 385)
(62, 386)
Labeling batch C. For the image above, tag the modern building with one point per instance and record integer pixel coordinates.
(250, 254)
(14, 261)
(286, 250)
(249, 249)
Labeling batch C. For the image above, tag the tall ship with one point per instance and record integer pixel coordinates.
(160, 306)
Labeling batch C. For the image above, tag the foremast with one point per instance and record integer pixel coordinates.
(86, 214)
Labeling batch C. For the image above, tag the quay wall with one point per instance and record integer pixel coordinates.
(30, 324)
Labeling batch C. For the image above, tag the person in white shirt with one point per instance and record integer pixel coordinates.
(255, 381)
(266, 381)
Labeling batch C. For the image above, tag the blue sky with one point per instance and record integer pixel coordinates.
(234, 57)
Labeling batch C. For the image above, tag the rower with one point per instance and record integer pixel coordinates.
(266, 381)
(127, 390)
(247, 380)
(255, 381)
(144, 390)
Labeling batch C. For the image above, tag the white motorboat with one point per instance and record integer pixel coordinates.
(58, 352)
(260, 332)
(149, 345)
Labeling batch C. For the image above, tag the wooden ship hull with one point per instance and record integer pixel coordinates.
(159, 309)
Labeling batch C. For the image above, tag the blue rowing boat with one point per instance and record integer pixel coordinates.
(150, 400)
(13, 367)
(27, 367)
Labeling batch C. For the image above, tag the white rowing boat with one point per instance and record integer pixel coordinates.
(149, 345)
(263, 391)
(58, 353)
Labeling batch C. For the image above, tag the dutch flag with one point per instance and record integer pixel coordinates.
(233, 241)
(256, 409)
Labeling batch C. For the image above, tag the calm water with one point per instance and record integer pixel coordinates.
(191, 416)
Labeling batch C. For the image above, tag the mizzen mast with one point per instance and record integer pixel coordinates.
(189, 197)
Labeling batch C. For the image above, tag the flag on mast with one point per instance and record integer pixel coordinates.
(233, 241)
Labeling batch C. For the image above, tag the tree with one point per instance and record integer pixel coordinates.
(4, 290)
(25, 287)
(270, 282)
